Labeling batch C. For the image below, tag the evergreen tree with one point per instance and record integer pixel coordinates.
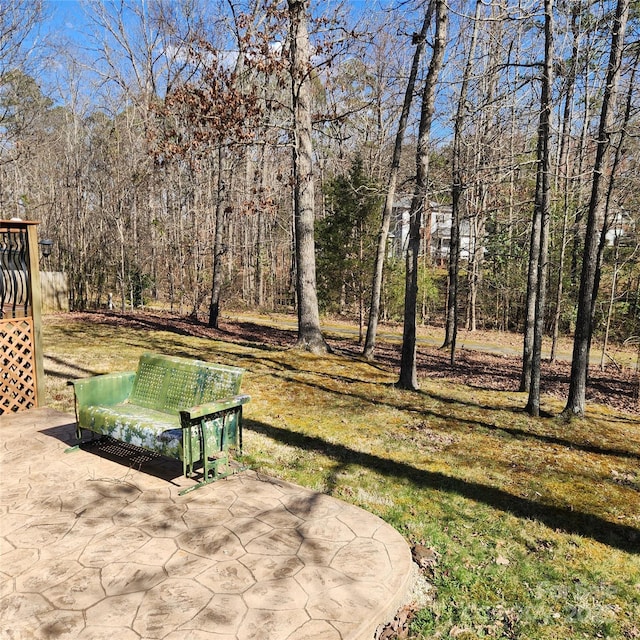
(346, 240)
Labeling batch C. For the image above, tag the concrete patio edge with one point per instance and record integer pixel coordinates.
(98, 544)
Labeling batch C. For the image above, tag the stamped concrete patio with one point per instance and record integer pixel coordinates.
(98, 544)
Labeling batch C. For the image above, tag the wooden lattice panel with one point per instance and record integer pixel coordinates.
(17, 378)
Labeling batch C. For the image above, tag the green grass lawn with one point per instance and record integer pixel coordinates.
(535, 522)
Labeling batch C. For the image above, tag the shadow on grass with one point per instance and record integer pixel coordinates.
(510, 431)
(76, 370)
(616, 535)
(248, 333)
(587, 447)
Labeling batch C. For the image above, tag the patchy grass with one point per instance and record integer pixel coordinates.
(535, 522)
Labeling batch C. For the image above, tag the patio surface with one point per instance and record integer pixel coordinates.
(97, 544)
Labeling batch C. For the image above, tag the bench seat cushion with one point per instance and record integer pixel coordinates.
(139, 426)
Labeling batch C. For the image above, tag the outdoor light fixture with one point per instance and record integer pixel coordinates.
(46, 246)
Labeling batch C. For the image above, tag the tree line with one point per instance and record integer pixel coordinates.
(253, 153)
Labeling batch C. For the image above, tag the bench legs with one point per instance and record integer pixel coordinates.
(205, 442)
(81, 440)
(212, 438)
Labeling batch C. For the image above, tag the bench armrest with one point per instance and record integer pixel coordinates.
(211, 408)
(105, 390)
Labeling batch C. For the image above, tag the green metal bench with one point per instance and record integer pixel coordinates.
(185, 409)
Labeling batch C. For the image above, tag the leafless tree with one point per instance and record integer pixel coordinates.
(408, 370)
(419, 40)
(588, 279)
(309, 334)
(539, 244)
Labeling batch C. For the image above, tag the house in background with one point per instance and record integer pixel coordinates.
(436, 232)
(621, 225)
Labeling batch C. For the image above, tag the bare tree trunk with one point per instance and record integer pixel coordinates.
(529, 323)
(588, 280)
(122, 273)
(564, 167)
(476, 228)
(309, 334)
(218, 247)
(612, 297)
(534, 267)
(408, 370)
(608, 222)
(457, 190)
(585, 152)
(541, 214)
(485, 159)
(376, 287)
(259, 282)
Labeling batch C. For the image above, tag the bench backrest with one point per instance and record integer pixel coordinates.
(169, 383)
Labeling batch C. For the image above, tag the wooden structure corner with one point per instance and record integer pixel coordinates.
(22, 375)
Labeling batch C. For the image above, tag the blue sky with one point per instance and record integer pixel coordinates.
(67, 17)
(68, 23)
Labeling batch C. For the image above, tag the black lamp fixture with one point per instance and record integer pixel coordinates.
(46, 246)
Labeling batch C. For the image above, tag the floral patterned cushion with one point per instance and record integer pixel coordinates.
(136, 425)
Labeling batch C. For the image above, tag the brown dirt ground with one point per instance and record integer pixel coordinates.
(616, 387)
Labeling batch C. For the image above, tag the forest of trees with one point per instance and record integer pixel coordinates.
(191, 153)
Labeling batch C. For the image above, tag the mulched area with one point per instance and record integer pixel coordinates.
(615, 387)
